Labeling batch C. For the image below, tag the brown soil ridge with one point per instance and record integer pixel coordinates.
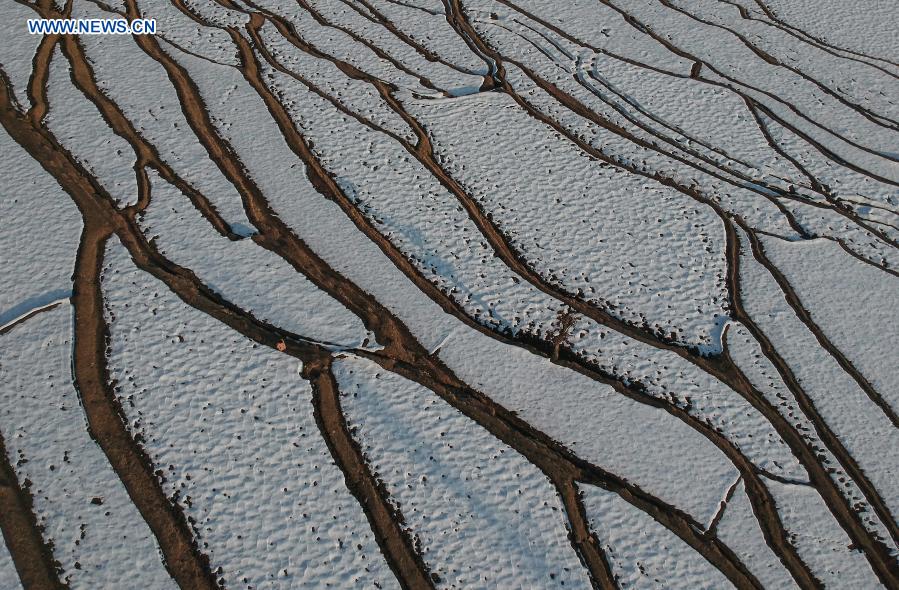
(761, 499)
(803, 399)
(106, 427)
(188, 567)
(723, 368)
(102, 214)
(370, 317)
(32, 557)
(877, 553)
(272, 244)
(386, 520)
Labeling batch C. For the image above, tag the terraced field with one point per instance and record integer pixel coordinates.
(450, 294)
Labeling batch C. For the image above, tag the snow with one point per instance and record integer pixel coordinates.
(334, 237)
(739, 529)
(79, 128)
(646, 446)
(429, 27)
(618, 241)
(842, 181)
(850, 301)
(231, 426)
(442, 76)
(697, 116)
(859, 425)
(738, 67)
(787, 129)
(851, 79)
(9, 578)
(360, 97)
(98, 536)
(820, 542)
(150, 102)
(463, 494)
(406, 204)
(174, 25)
(336, 41)
(217, 14)
(36, 272)
(15, 58)
(723, 155)
(696, 119)
(871, 30)
(669, 377)
(594, 23)
(641, 552)
(246, 274)
(858, 240)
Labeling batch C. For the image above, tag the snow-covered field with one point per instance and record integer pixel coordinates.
(450, 294)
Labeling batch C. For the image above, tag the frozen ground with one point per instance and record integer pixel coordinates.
(461, 294)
